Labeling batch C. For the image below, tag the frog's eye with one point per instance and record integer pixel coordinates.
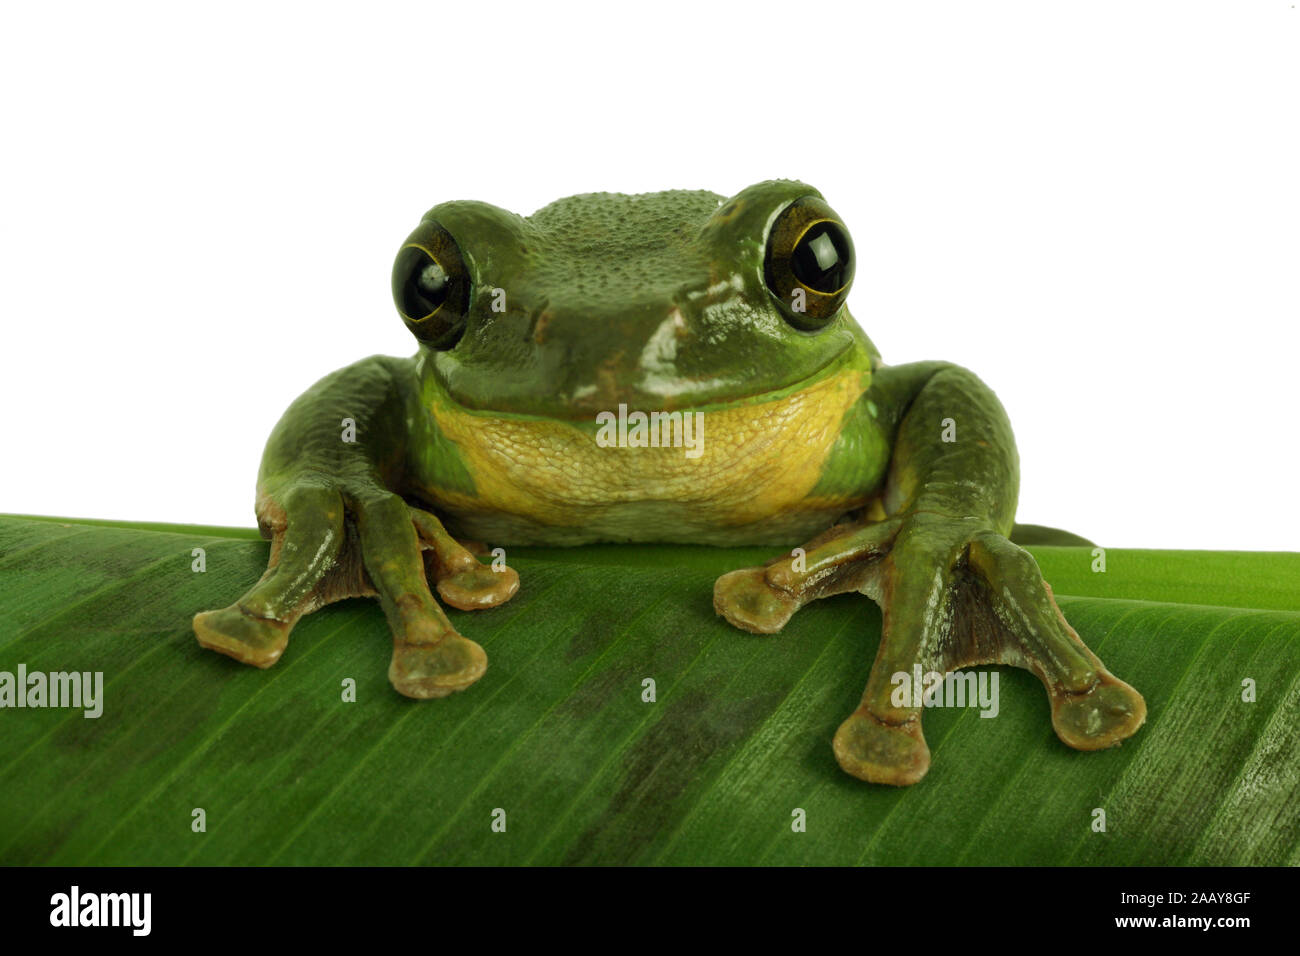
(431, 286)
(809, 263)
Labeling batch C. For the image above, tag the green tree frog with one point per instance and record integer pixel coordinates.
(667, 367)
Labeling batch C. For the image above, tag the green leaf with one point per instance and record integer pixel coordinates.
(556, 734)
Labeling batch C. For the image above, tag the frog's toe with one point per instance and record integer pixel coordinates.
(1104, 716)
(478, 587)
(462, 580)
(877, 752)
(749, 602)
(236, 633)
(430, 659)
(436, 670)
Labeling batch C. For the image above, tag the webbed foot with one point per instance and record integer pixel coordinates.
(955, 594)
(329, 544)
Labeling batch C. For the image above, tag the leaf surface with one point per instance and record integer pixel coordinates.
(557, 734)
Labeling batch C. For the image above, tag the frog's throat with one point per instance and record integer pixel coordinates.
(758, 476)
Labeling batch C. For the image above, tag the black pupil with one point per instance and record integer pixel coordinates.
(821, 259)
(426, 285)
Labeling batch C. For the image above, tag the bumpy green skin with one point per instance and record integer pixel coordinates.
(661, 302)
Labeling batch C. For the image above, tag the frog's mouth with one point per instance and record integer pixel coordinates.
(634, 386)
(657, 391)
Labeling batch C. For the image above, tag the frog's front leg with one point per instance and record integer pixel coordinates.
(339, 531)
(955, 592)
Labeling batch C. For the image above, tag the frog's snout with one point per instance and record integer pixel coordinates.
(601, 360)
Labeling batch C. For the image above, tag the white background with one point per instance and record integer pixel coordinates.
(1094, 206)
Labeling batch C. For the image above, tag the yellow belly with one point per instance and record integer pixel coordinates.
(540, 481)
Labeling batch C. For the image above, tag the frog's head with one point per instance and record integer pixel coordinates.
(662, 301)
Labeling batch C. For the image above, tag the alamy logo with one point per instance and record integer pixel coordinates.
(957, 689)
(76, 689)
(103, 909)
(653, 430)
